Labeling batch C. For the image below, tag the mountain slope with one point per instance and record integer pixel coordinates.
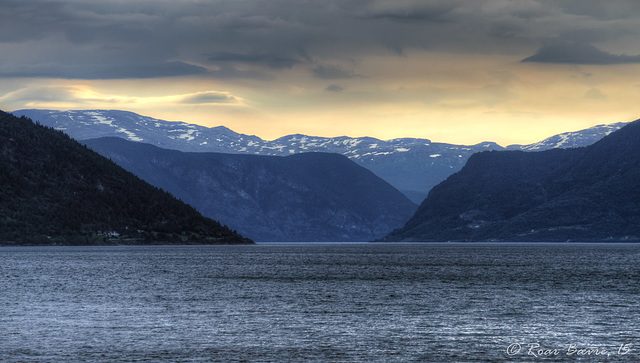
(584, 194)
(54, 190)
(303, 197)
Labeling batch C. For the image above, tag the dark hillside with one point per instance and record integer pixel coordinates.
(53, 190)
(583, 194)
(303, 197)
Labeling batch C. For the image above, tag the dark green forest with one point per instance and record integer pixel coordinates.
(54, 190)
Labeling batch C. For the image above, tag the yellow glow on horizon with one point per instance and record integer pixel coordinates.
(427, 95)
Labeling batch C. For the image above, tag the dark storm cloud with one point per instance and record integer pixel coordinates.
(574, 53)
(246, 39)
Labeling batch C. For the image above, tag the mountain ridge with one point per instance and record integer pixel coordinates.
(411, 165)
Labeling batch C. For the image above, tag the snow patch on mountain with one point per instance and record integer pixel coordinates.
(100, 118)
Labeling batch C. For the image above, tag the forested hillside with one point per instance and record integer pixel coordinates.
(582, 194)
(53, 190)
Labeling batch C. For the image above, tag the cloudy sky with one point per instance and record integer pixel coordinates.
(448, 70)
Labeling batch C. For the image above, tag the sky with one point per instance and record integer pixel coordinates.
(447, 70)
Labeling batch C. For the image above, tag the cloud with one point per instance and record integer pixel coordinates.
(263, 40)
(208, 97)
(230, 71)
(37, 95)
(145, 70)
(105, 71)
(412, 11)
(334, 88)
(333, 72)
(270, 61)
(76, 96)
(576, 53)
(594, 94)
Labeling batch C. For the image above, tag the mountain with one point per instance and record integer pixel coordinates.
(567, 140)
(581, 194)
(413, 166)
(53, 190)
(302, 197)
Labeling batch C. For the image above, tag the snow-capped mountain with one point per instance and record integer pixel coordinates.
(90, 124)
(568, 140)
(411, 165)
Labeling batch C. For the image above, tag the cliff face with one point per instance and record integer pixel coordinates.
(587, 194)
(303, 197)
(54, 190)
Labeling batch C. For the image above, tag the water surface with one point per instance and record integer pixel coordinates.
(321, 302)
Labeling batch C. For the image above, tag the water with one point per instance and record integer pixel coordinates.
(320, 302)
